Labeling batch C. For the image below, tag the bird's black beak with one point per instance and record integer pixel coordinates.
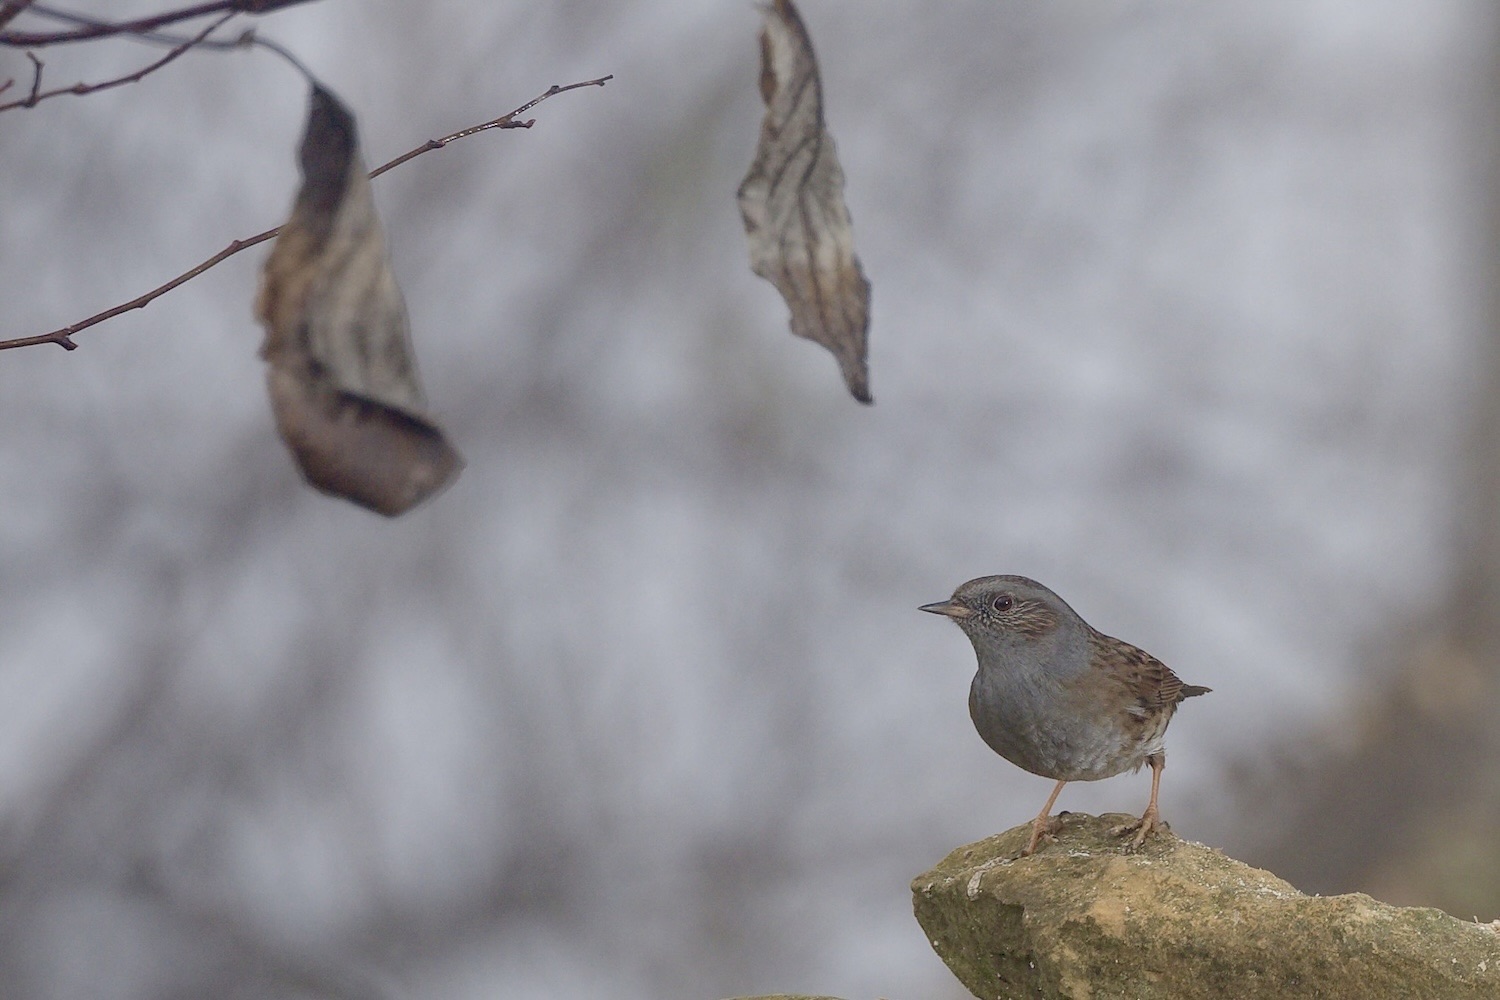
(951, 609)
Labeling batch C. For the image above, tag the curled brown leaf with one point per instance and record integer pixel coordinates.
(792, 201)
(343, 377)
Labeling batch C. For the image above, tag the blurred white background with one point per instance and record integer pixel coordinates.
(1177, 308)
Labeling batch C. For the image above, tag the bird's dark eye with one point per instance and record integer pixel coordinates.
(1002, 603)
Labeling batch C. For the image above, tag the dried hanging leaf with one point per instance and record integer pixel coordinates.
(343, 378)
(793, 204)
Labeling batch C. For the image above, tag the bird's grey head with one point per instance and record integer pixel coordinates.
(1004, 609)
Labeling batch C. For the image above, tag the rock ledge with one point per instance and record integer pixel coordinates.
(1084, 920)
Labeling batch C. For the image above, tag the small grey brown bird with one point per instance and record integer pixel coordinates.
(1057, 697)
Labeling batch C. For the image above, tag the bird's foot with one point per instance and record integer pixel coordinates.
(1045, 828)
(1149, 823)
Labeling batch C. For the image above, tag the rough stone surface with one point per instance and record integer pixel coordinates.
(1083, 919)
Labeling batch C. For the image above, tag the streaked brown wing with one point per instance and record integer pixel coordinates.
(1150, 682)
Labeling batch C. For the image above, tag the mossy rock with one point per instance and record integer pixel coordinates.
(1084, 919)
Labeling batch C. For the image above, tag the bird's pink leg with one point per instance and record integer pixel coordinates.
(1150, 821)
(1044, 827)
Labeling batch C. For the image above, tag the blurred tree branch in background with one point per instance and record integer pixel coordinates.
(1407, 808)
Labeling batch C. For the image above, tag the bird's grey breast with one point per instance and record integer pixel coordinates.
(1026, 701)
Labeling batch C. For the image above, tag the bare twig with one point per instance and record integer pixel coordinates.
(84, 21)
(507, 120)
(9, 9)
(246, 39)
(37, 39)
(36, 75)
(64, 337)
(37, 95)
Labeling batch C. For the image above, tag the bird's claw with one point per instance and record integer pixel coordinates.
(1042, 829)
(1149, 823)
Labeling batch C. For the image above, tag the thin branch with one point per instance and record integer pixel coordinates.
(83, 20)
(246, 40)
(507, 120)
(64, 337)
(9, 9)
(37, 39)
(36, 76)
(37, 95)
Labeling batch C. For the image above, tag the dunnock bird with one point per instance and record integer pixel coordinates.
(1057, 697)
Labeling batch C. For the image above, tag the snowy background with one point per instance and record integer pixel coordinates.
(1174, 310)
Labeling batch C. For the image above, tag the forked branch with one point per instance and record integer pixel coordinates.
(511, 119)
(38, 95)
